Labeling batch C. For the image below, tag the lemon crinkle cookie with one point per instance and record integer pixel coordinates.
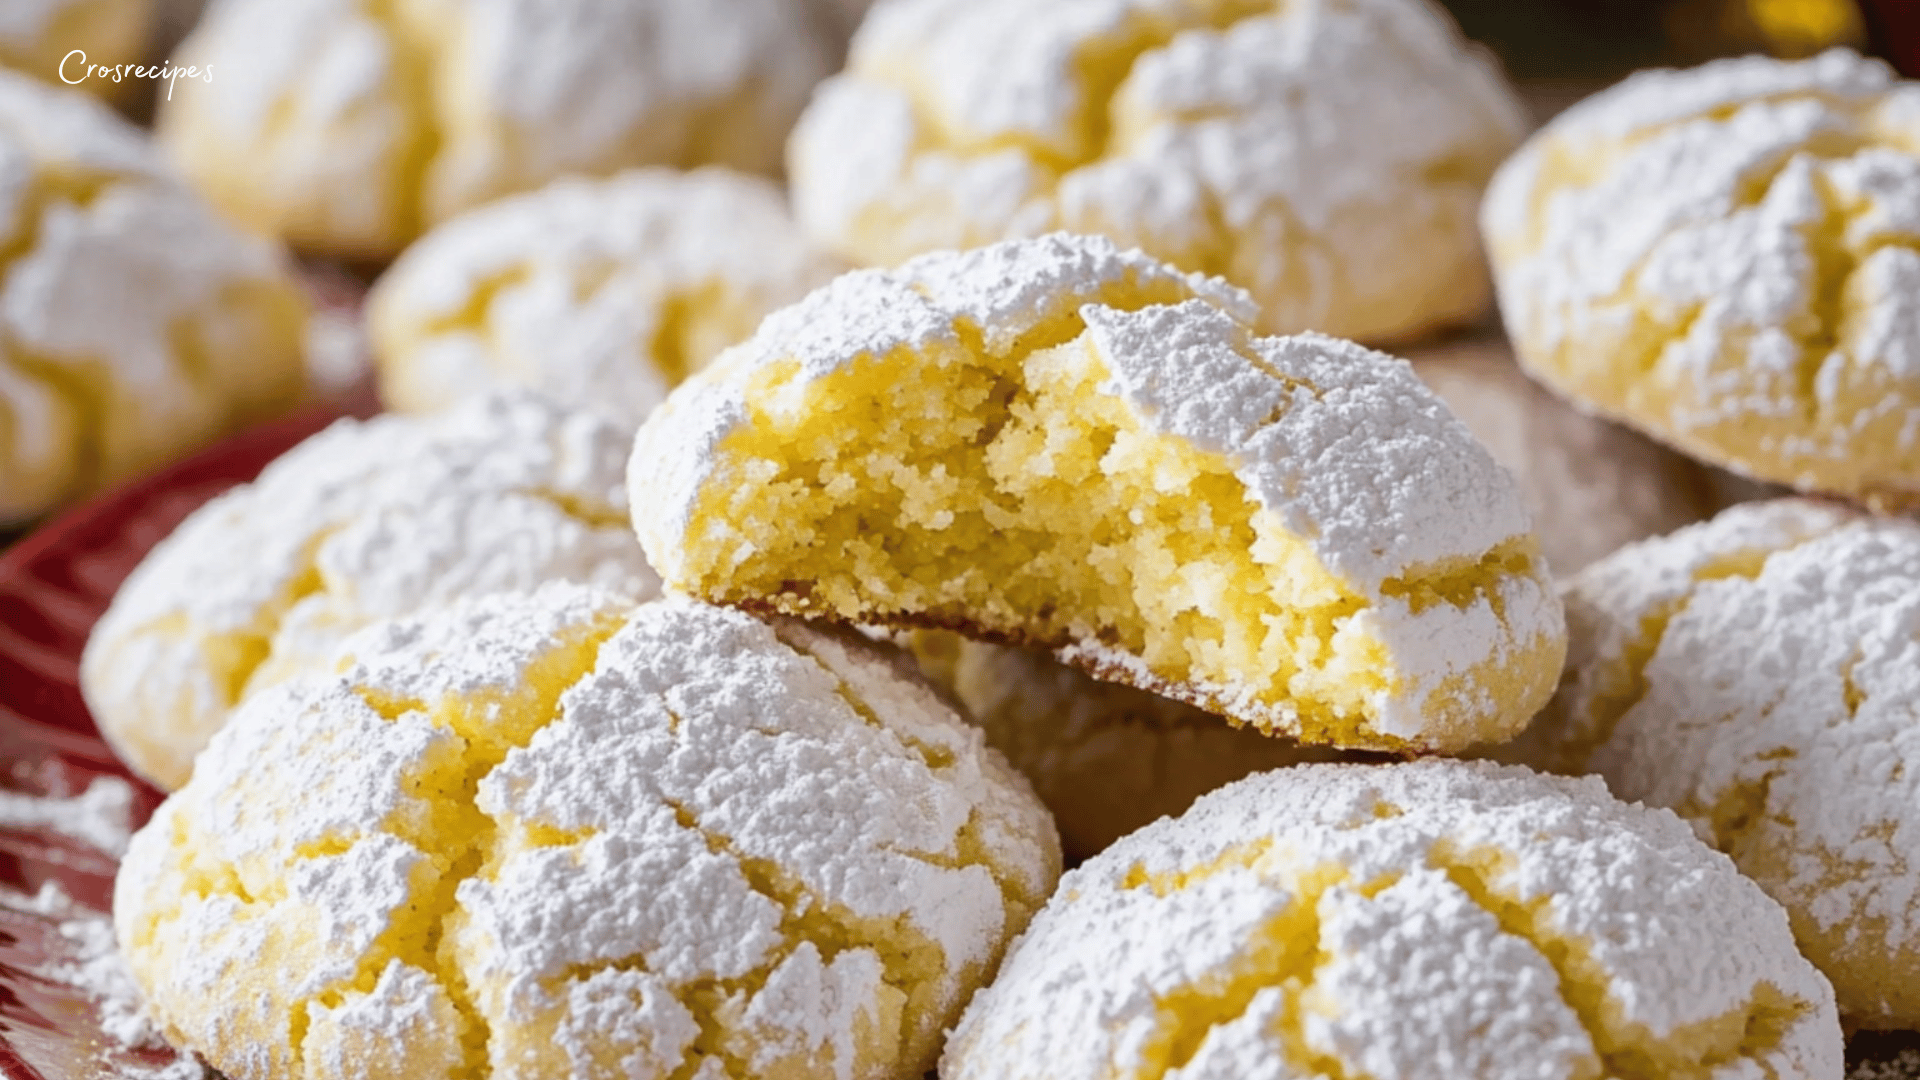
(1441, 918)
(1760, 674)
(42, 37)
(1104, 757)
(350, 126)
(134, 324)
(1058, 443)
(1591, 486)
(363, 521)
(601, 294)
(552, 835)
(1327, 156)
(1728, 258)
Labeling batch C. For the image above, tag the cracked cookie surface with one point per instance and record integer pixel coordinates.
(135, 325)
(348, 127)
(367, 520)
(1592, 486)
(1728, 258)
(1326, 155)
(1053, 442)
(601, 294)
(557, 835)
(1760, 674)
(1441, 918)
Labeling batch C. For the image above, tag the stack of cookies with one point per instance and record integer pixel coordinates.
(709, 667)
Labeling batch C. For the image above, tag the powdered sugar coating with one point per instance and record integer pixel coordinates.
(1591, 486)
(367, 520)
(350, 126)
(666, 840)
(1342, 446)
(134, 324)
(37, 36)
(1438, 918)
(1725, 257)
(1760, 674)
(99, 816)
(1359, 451)
(1327, 155)
(80, 953)
(600, 294)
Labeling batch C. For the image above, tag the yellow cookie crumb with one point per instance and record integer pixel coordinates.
(1053, 442)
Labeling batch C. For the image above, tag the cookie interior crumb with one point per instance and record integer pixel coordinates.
(1009, 493)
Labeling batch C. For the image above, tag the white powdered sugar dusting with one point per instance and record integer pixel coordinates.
(1758, 674)
(100, 816)
(1001, 292)
(354, 124)
(1344, 447)
(134, 323)
(1369, 468)
(89, 961)
(1721, 256)
(1221, 136)
(594, 292)
(1437, 918)
(672, 799)
(364, 521)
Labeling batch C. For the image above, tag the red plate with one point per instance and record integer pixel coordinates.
(53, 585)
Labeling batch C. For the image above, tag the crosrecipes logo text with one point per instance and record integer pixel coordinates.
(75, 70)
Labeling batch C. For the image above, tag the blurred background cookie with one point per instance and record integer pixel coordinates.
(367, 520)
(1725, 258)
(135, 325)
(39, 38)
(602, 294)
(1591, 486)
(557, 835)
(1327, 157)
(349, 127)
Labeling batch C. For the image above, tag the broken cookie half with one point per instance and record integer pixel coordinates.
(1057, 443)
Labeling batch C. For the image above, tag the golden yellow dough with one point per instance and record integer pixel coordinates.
(1053, 442)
